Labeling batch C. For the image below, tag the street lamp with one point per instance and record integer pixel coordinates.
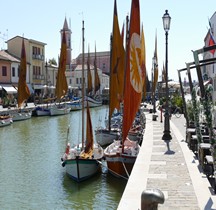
(166, 24)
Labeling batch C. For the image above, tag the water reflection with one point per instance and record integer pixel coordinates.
(31, 172)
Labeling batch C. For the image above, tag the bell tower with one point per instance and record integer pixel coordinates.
(68, 42)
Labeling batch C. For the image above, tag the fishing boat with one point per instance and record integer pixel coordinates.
(121, 154)
(23, 90)
(83, 161)
(94, 99)
(5, 120)
(61, 83)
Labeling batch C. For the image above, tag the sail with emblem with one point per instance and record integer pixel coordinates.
(121, 154)
(134, 72)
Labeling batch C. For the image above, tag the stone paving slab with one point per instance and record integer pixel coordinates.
(170, 167)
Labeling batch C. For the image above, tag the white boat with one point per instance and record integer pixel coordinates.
(5, 120)
(83, 161)
(59, 110)
(22, 115)
(80, 168)
(104, 136)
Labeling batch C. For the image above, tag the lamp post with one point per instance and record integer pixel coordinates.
(166, 24)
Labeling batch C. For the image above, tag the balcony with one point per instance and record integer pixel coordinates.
(38, 57)
(38, 77)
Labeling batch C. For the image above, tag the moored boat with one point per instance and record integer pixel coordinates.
(5, 120)
(121, 154)
(60, 109)
(21, 115)
(105, 136)
(83, 161)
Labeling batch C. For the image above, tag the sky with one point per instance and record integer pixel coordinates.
(42, 21)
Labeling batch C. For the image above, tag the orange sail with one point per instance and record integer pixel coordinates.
(134, 73)
(23, 90)
(143, 61)
(117, 66)
(97, 79)
(89, 76)
(61, 83)
(155, 68)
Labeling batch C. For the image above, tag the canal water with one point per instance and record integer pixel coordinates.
(31, 175)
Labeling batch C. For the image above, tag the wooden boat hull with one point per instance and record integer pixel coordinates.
(121, 164)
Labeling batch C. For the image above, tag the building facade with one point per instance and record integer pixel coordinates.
(209, 71)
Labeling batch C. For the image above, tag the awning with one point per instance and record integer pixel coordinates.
(9, 89)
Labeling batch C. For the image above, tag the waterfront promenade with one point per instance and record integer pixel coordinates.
(171, 167)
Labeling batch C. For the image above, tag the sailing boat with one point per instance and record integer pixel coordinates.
(107, 135)
(121, 154)
(23, 90)
(83, 160)
(95, 99)
(61, 83)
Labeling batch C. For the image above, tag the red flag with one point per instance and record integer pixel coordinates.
(23, 90)
(134, 75)
(211, 43)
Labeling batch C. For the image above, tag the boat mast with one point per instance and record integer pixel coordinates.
(83, 40)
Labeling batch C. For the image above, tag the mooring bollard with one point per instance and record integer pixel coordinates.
(150, 199)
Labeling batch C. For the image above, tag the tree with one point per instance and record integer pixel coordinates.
(52, 61)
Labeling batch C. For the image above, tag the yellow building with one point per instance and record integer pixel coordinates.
(35, 56)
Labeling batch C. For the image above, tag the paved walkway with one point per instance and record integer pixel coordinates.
(170, 167)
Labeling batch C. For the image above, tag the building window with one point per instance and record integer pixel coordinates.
(4, 71)
(70, 81)
(77, 81)
(13, 72)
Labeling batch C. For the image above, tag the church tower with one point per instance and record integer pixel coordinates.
(68, 42)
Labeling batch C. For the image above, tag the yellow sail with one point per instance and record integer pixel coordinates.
(61, 83)
(117, 66)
